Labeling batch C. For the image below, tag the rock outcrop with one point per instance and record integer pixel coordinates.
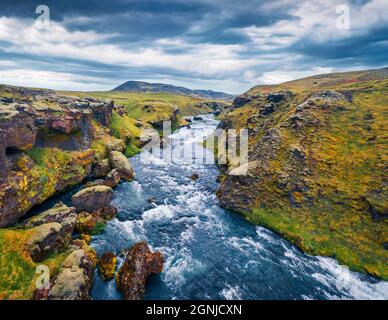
(139, 263)
(45, 145)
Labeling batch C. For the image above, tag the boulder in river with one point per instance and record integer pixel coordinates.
(107, 265)
(111, 180)
(139, 263)
(92, 198)
(194, 176)
(121, 163)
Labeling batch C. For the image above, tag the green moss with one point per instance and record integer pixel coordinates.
(99, 228)
(325, 204)
(17, 270)
(327, 234)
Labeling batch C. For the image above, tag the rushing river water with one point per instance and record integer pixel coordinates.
(211, 253)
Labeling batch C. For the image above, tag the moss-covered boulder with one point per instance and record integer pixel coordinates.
(46, 239)
(75, 278)
(89, 223)
(107, 265)
(60, 213)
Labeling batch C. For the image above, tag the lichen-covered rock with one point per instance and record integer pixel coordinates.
(92, 198)
(122, 164)
(89, 223)
(107, 265)
(75, 279)
(107, 213)
(45, 239)
(60, 213)
(139, 263)
(101, 168)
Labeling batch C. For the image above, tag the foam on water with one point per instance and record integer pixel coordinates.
(231, 293)
(211, 253)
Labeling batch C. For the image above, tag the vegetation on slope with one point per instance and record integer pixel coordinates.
(317, 166)
(17, 270)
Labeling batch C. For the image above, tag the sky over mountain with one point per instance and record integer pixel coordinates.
(224, 45)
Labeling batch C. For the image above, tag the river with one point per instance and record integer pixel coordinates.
(211, 253)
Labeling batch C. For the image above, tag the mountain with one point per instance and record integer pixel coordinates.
(138, 86)
(317, 165)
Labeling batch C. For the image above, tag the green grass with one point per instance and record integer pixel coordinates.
(17, 270)
(345, 154)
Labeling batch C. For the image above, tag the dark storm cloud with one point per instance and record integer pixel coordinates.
(232, 41)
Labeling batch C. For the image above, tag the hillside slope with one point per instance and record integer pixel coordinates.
(146, 87)
(317, 170)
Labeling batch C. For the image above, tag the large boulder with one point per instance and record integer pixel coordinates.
(75, 278)
(92, 198)
(139, 263)
(46, 239)
(121, 163)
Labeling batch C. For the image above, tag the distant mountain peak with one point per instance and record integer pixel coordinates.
(141, 86)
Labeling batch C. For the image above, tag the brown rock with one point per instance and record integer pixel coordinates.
(89, 223)
(139, 263)
(194, 176)
(46, 239)
(101, 168)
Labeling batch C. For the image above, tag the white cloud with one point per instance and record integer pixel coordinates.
(276, 77)
(316, 20)
(52, 80)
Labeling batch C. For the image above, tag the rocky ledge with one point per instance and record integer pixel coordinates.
(49, 142)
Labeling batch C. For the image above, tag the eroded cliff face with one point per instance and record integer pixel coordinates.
(45, 145)
(316, 168)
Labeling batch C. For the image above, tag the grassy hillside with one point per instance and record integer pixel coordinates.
(133, 102)
(318, 156)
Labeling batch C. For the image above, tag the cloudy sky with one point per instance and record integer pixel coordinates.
(225, 45)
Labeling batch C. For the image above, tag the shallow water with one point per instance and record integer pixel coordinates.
(212, 253)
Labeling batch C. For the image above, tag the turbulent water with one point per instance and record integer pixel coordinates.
(211, 253)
